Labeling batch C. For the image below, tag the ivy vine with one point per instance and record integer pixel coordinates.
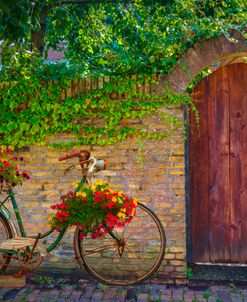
(32, 110)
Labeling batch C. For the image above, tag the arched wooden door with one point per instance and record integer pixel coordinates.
(218, 168)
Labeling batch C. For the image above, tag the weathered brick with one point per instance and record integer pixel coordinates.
(176, 172)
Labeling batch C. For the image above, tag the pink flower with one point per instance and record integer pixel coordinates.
(26, 175)
(9, 150)
(1, 170)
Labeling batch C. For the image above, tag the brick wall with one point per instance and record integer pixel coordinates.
(153, 173)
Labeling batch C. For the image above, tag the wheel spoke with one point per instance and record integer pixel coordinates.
(139, 257)
(99, 249)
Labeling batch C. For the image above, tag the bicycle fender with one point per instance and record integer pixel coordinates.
(6, 215)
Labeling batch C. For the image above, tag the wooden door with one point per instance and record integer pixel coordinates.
(218, 167)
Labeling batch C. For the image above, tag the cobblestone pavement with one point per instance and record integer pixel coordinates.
(44, 289)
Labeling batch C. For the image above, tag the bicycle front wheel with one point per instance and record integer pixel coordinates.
(5, 233)
(140, 257)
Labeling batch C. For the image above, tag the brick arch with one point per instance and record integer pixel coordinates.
(202, 55)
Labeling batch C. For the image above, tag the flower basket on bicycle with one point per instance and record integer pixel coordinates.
(93, 209)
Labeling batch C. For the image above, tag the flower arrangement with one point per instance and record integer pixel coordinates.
(10, 175)
(93, 209)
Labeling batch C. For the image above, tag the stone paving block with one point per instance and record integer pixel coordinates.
(75, 296)
(53, 294)
(143, 288)
(66, 292)
(244, 295)
(236, 298)
(9, 294)
(178, 295)
(61, 299)
(154, 297)
(42, 296)
(121, 295)
(20, 294)
(189, 296)
(159, 287)
(32, 297)
(88, 291)
(199, 296)
(4, 291)
(110, 293)
(131, 294)
(84, 299)
(225, 296)
(142, 298)
(217, 288)
(212, 298)
(165, 298)
(97, 296)
(166, 295)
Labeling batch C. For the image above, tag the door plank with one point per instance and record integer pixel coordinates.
(219, 199)
(199, 177)
(238, 161)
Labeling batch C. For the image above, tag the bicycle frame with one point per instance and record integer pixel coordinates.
(7, 215)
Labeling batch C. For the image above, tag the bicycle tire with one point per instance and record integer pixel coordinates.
(142, 255)
(5, 233)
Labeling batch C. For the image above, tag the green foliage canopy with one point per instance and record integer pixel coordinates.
(120, 37)
(98, 38)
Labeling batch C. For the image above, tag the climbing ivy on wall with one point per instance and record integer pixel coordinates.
(32, 110)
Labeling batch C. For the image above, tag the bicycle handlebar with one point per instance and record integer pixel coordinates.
(86, 155)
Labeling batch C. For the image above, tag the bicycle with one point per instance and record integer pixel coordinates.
(126, 255)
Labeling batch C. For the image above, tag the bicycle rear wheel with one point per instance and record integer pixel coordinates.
(5, 233)
(141, 256)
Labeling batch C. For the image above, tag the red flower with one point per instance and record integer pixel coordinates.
(120, 224)
(126, 205)
(110, 204)
(81, 236)
(65, 214)
(97, 194)
(6, 163)
(129, 211)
